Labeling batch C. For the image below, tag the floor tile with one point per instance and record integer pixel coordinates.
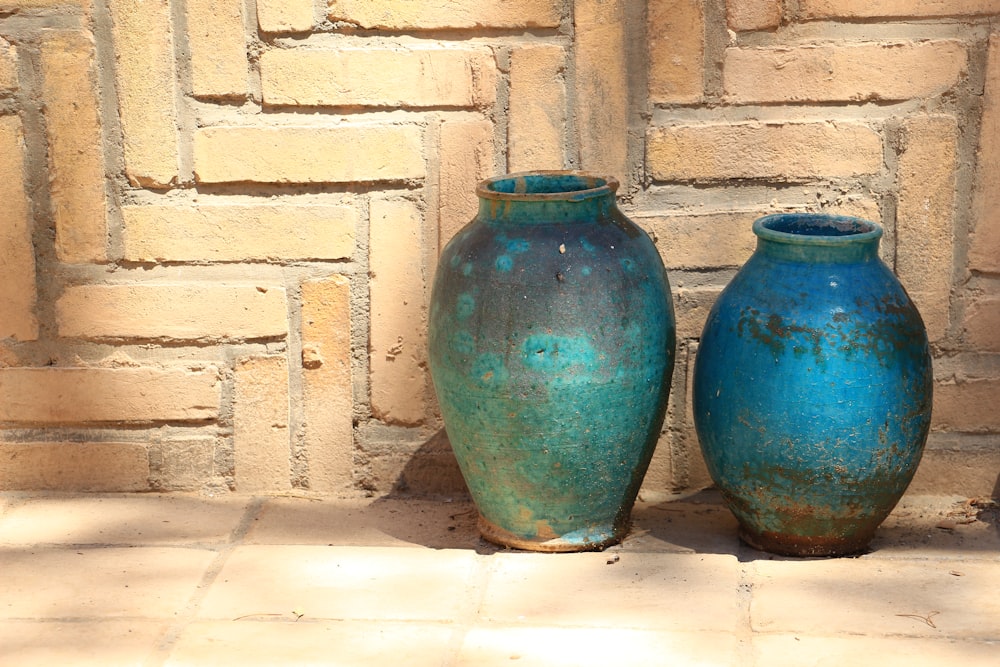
(805, 651)
(365, 522)
(115, 520)
(939, 527)
(115, 643)
(872, 597)
(290, 644)
(47, 583)
(638, 590)
(343, 583)
(113, 580)
(684, 527)
(575, 647)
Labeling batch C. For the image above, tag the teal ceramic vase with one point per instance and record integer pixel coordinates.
(551, 351)
(812, 387)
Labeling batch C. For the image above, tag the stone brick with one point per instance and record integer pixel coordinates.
(984, 245)
(863, 208)
(688, 454)
(410, 77)
(661, 477)
(144, 58)
(238, 233)
(15, 5)
(925, 216)
(982, 323)
(17, 270)
(753, 14)
(328, 395)
(74, 466)
(703, 241)
(394, 459)
(894, 8)
(185, 464)
(216, 38)
(285, 15)
(957, 470)
(843, 72)
(398, 312)
(76, 155)
(724, 239)
(691, 306)
(537, 116)
(172, 311)
(8, 66)
(965, 406)
(675, 465)
(300, 154)
(779, 151)
(601, 87)
(260, 425)
(425, 468)
(466, 158)
(58, 395)
(393, 15)
(676, 37)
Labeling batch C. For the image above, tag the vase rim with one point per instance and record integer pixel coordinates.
(547, 185)
(817, 229)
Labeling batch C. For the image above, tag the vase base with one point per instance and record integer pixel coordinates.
(592, 538)
(805, 546)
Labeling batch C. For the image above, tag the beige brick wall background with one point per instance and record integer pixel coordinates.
(220, 218)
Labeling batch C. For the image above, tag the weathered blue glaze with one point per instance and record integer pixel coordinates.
(812, 387)
(551, 351)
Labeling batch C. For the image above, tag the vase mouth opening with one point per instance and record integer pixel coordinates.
(547, 186)
(816, 229)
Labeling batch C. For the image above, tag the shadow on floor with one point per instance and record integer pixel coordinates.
(430, 505)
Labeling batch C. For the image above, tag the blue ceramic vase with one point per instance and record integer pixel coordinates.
(551, 351)
(812, 387)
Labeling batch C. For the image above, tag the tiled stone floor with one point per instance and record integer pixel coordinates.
(178, 580)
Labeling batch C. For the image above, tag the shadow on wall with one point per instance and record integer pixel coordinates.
(990, 510)
(432, 470)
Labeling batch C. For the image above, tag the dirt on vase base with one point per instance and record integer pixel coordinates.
(592, 538)
(807, 546)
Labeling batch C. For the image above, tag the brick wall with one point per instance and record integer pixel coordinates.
(221, 217)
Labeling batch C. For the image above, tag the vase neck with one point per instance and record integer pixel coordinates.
(817, 238)
(546, 197)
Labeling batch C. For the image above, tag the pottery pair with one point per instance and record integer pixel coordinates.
(552, 344)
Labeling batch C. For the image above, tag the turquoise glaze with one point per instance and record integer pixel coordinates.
(551, 351)
(812, 387)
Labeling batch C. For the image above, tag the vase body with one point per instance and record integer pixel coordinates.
(551, 350)
(812, 387)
